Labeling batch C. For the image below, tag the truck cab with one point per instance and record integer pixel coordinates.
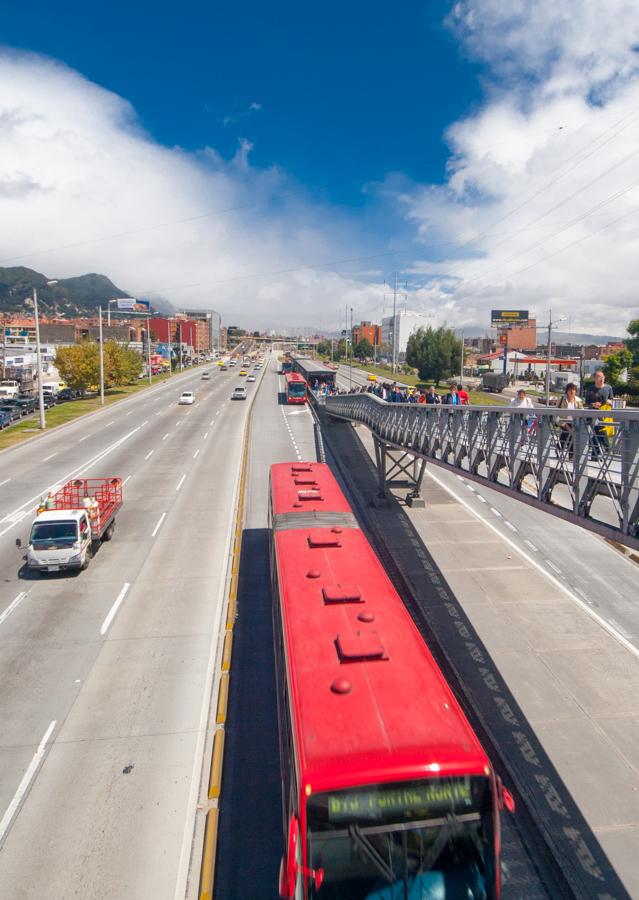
(59, 540)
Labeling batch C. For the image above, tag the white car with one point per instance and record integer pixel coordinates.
(186, 397)
(251, 378)
(239, 394)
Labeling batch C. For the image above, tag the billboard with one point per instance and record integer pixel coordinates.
(501, 318)
(130, 304)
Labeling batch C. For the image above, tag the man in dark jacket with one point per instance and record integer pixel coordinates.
(597, 395)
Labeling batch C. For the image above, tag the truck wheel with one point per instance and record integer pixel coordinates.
(87, 558)
(108, 534)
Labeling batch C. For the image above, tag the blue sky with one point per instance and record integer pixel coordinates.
(348, 91)
(278, 161)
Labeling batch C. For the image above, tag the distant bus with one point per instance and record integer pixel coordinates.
(296, 388)
(287, 366)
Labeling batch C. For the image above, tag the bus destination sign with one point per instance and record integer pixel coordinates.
(501, 318)
(423, 798)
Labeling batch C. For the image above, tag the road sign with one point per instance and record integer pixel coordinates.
(501, 318)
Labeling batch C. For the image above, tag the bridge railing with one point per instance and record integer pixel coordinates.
(580, 464)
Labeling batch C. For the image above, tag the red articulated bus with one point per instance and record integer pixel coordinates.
(387, 793)
(296, 388)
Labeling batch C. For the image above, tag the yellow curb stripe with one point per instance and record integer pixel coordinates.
(207, 872)
(227, 651)
(215, 782)
(222, 699)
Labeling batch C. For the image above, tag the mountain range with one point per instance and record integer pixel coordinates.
(68, 297)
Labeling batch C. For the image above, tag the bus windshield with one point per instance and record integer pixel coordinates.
(53, 534)
(405, 841)
(297, 389)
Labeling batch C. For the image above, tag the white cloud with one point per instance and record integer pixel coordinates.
(78, 173)
(540, 209)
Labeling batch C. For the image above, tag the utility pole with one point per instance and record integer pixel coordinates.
(506, 352)
(548, 354)
(101, 360)
(43, 423)
(395, 325)
(148, 344)
(350, 364)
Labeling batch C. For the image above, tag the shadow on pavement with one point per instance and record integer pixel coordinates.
(250, 831)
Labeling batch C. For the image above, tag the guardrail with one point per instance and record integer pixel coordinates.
(582, 465)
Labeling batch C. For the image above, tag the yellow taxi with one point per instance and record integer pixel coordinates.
(242, 372)
(372, 377)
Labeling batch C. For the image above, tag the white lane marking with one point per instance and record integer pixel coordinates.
(179, 422)
(129, 413)
(180, 482)
(510, 525)
(482, 499)
(159, 524)
(128, 477)
(6, 481)
(110, 616)
(146, 422)
(165, 436)
(495, 512)
(84, 438)
(159, 413)
(50, 456)
(531, 545)
(550, 563)
(205, 436)
(469, 486)
(12, 606)
(112, 422)
(613, 632)
(188, 412)
(196, 454)
(212, 422)
(27, 778)
(149, 455)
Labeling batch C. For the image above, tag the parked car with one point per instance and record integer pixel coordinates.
(27, 405)
(67, 394)
(5, 419)
(14, 412)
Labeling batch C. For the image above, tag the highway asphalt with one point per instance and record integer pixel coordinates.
(107, 674)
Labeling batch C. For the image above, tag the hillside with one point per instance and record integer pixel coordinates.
(78, 296)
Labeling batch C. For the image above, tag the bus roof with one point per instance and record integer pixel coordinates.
(368, 700)
(305, 487)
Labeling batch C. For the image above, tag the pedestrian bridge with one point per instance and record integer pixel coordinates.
(589, 476)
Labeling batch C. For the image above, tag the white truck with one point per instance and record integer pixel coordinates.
(71, 524)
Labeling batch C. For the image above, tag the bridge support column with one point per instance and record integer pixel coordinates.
(392, 464)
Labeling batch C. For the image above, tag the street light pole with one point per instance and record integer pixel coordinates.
(548, 349)
(148, 344)
(350, 364)
(101, 358)
(395, 325)
(43, 423)
(461, 374)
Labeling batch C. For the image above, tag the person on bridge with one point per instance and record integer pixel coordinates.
(521, 400)
(598, 395)
(432, 396)
(464, 399)
(570, 400)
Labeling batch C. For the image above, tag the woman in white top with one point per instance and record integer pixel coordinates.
(520, 399)
(570, 400)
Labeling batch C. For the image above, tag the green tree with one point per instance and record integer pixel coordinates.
(363, 350)
(434, 352)
(323, 348)
(79, 365)
(615, 364)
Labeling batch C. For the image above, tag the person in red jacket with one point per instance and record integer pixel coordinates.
(462, 395)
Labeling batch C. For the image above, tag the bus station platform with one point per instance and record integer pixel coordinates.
(551, 691)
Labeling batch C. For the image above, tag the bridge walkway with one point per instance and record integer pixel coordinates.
(543, 678)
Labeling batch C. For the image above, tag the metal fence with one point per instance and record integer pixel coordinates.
(580, 464)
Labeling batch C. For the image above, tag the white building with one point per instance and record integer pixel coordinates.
(403, 324)
(213, 319)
